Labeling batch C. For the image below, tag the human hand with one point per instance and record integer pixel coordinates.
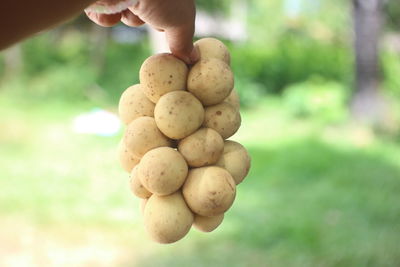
(174, 17)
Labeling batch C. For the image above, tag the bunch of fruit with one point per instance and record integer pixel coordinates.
(177, 120)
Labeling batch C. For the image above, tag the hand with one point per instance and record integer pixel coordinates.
(174, 17)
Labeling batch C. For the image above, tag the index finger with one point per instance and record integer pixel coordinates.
(105, 20)
(180, 42)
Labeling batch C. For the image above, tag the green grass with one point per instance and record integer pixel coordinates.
(316, 195)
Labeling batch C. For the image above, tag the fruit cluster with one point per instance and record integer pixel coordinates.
(177, 120)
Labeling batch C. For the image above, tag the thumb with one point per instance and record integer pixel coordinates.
(180, 42)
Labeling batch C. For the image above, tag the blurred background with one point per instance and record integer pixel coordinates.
(320, 91)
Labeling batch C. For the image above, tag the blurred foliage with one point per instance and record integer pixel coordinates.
(65, 81)
(294, 58)
(325, 20)
(318, 99)
(214, 6)
(66, 66)
(122, 64)
(390, 63)
(392, 11)
(44, 52)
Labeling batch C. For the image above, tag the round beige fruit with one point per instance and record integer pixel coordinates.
(233, 99)
(207, 224)
(162, 170)
(143, 203)
(203, 147)
(133, 104)
(235, 160)
(127, 159)
(162, 73)
(178, 114)
(213, 48)
(223, 118)
(209, 191)
(167, 219)
(211, 81)
(142, 135)
(136, 186)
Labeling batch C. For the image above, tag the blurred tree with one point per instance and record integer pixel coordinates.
(367, 104)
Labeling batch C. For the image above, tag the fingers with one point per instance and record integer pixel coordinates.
(108, 20)
(131, 19)
(105, 20)
(180, 41)
(175, 17)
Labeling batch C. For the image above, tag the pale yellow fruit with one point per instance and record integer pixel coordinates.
(213, 48)
(133, 104)
(143, 203)
(162, 170)
(209, 191)
(236, 160)
(136, 186)
(203, 147)
(178, 114)
(142, 135)
(162, 73)
(167, 219)
(211, 81)
(207, 224)
(127, 159)
(233, 99)
(223, 118)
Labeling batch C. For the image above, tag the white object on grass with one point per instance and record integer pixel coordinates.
(97, 122)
